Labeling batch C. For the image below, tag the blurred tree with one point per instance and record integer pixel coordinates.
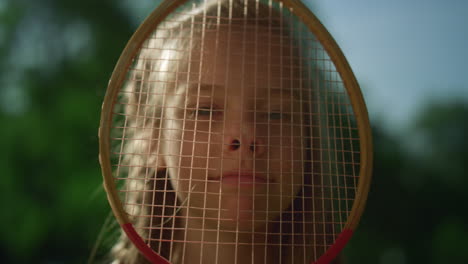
(443, 129)
(443, 155)
(417, 208)
(56, 57)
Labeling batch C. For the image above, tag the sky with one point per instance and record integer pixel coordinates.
(404, 53)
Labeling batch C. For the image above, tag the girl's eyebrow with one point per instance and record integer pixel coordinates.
(216, 90)
(278, 93)
(204, 88)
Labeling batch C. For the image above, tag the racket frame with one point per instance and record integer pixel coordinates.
(343, 68)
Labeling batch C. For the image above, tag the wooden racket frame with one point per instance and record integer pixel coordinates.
(350, 83)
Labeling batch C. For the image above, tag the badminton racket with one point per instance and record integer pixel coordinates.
(234, 131)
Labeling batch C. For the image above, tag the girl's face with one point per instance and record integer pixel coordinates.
(232, 134)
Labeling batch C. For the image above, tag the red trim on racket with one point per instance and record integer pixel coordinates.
(336, 248)
(142, 246)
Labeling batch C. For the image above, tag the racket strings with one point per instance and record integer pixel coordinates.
(165, 150)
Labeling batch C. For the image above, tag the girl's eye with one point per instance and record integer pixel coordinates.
(275, 116)
(204, 111)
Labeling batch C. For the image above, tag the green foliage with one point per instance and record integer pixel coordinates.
(51, 94)
(417, 209)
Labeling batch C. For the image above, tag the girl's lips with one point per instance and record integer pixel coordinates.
(243, 178)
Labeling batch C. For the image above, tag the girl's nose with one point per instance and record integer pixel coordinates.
(243, 139)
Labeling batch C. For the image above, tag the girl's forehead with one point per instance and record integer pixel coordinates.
(254, 92)
(251, 43)
(238, 61)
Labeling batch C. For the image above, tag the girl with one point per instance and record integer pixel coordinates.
(218, 140)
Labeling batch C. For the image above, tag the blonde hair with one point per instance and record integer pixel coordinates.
(150, 83)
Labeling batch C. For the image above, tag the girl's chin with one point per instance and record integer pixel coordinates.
(241, 213)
